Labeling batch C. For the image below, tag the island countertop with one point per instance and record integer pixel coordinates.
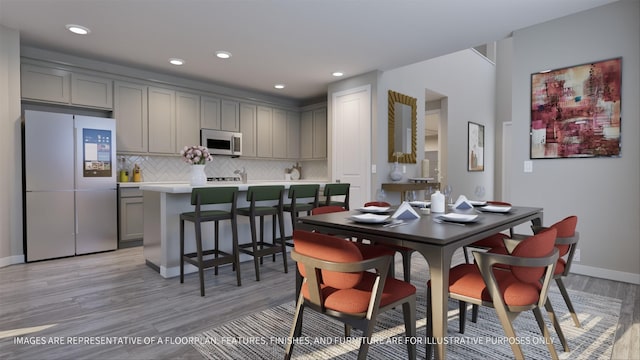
(184, 187)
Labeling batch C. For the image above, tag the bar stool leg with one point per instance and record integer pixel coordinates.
(283, 246)
(198, 229)
(236, 251)
(181, 251)
(254, 243)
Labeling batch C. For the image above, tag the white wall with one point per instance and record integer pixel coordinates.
(467, 80)
(603, 192)
(10, 153)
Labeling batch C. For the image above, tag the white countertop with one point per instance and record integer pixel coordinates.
(184, 187)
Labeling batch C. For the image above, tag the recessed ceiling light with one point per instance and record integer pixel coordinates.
(279, 86)
(337, 73)
(176, 61)
(78, 29)
(223, 54)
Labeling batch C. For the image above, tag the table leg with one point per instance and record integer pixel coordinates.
(439, 260)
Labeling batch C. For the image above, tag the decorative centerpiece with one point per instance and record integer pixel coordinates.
(197, 156)
(396, 174)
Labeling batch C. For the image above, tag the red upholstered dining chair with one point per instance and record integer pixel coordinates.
(336, 283)
(520, 286)
(405, 252)
(490, 242)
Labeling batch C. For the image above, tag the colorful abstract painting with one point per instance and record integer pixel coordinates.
(575, 111)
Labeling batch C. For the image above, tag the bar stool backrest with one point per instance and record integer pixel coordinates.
(304, 191)
(265, 193)
(214, 195)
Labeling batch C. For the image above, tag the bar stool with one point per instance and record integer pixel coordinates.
(337, 189)
(259, 249)
(297, 193)
(210, 196)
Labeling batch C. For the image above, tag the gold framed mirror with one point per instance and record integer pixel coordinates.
(402, 128)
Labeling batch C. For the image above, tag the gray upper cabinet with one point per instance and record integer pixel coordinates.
(91, 91)
(210, 113)
(230, 115)
(313, 134)
(188, 119)
(162, 121)
(51, 85)
(248, 128)
(293, 135)
(264, 128)
(279, 134)
(45, 84)
(130, 111)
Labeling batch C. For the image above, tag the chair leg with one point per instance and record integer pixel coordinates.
(545, 332)
(466, 255)
(216, 243)
(296, 327)
(556, 325)
(505, 319)
(462, 316)
(474, 313)
(198, 229)
(567, 300)
(429, 338)
(409, 312)
(406, 265)
(273, 236)
(261, 237)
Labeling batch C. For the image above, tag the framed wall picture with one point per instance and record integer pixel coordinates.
(575, 111)
(475, 153)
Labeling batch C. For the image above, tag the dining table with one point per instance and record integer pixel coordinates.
(436, 240)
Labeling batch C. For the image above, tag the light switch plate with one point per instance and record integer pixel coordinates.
(373, 168)
(528, 166)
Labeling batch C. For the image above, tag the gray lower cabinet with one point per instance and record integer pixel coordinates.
(130, 221)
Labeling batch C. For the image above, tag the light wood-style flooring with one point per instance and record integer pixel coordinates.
(116, 296)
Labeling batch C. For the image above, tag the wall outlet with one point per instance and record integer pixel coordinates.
(404, 169)
(373, 168)
(528, 166)
(576, 255)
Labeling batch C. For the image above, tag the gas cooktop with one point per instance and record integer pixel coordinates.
(224, 178)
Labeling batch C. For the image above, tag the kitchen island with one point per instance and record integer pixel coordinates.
(163, 204)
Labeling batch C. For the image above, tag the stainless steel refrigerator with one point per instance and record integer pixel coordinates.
(70, 185)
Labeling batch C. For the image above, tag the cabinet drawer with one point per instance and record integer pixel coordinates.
(126, 192)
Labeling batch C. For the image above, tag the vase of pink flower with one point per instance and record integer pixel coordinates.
(197, 156)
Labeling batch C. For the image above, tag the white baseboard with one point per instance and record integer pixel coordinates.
(606, 274)
(11, 260)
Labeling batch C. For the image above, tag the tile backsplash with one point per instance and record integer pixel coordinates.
(173, 168)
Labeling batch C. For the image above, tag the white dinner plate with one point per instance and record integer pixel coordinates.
(477, 203)
(461, 218)
(374, 209)
(420, 204)
(370, 218)
(295, 174)
(495, 208)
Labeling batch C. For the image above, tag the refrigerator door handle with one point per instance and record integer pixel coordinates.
(76, 221)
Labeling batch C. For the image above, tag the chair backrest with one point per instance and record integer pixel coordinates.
(327, 209)
(265, 193)
(214, 195)
(566, 229)
(377, 203)
(304, 191)
(328, 248)
(540, 245)
(337, 189)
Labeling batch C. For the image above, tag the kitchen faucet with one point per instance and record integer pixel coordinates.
(243, 174)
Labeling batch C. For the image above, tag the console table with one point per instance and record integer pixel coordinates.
(404, 187)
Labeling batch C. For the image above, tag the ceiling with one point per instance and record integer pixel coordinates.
(298, 43)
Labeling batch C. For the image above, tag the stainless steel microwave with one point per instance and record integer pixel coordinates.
(221, 142)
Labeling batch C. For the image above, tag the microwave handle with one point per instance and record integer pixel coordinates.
(233, 144)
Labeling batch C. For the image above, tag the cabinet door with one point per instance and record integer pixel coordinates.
(306, 135)
(230, 115)
(320, 134)
(248, 129)
(131, 218)
(293, 135)
(187, 120)
(162, 121)
(264, 129)
(279, 134)
(45, 84)
(91, 91)
(210, 113)
(130, 110)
